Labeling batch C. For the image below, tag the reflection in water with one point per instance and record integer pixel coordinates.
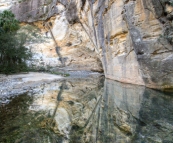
(91, 110)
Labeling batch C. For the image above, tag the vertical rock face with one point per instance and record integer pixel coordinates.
(133, 39)
(135, 42)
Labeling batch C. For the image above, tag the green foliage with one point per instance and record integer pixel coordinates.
(8, 23)
(60, 73)
(13, 53)
(21, 1)
(171, 2)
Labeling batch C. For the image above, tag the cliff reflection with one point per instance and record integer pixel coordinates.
(128, 113)
(90, 110)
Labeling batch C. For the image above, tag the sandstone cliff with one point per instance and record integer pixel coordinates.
(132, 39)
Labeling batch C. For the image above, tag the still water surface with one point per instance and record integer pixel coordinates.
(92, 110)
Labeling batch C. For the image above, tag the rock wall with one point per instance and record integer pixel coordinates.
(52, 32)
(133, 39)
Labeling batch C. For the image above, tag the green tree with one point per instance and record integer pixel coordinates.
(8, 23)
(13, 53)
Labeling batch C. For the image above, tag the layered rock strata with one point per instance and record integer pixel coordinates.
(133, 39)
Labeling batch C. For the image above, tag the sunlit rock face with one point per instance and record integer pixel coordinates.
(89, 110)
(73, 43)
(132, 39)
(5, 5)
(131, 36)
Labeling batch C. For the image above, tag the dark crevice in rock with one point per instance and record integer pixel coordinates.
(71, 13)
(83, 4)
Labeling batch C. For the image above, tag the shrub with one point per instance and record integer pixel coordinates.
(13, 53)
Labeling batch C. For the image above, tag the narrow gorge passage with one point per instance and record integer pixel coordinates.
(86, 71)
(131, 41)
